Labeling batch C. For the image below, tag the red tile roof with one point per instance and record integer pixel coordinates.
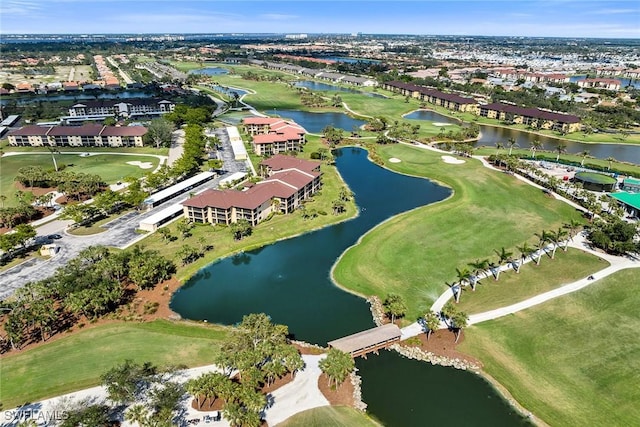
(281, 161)
(31, 130)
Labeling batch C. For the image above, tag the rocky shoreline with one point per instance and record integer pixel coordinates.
(426, 356)
(377, 310)
(356, 381)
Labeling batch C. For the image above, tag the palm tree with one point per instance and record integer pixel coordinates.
(336, 366)
(542, 240)
(511, 142)
(464, 275)
(137, 414)
(460, 321)
(525, 251)
(557, 237)
(610, 160)
(560, 148)
(499, 146)
(432, 322)
(503, 256)
(584, 154)
(572, 226)
(54, 151)
(535, 146)
(456, 289)
(478, 267)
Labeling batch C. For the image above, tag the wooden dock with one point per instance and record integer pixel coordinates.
(369, 341)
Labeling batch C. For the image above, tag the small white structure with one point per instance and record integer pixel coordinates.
(176, 189)
(239, 151)
(231, 178)
(49, 250)
(158, 219)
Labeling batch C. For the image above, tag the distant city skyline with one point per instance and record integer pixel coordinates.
(529, 18)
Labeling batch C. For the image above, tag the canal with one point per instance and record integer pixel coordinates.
(289, 280)
(490, 135)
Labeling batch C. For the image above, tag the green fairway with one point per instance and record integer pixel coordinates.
(415, 253)
(573, 361)
(110, 167)
(532, 280)
(76, 362)
(330, 416)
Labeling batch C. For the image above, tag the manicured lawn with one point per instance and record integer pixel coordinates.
(415, 253)
(277, 228)
(4, 146)
(110, 167)
(77, 361)
(571, 361)
(330, 416)
(532, 280)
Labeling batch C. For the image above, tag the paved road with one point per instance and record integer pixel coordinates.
(297, 396)
(120, 232)
(176, 147)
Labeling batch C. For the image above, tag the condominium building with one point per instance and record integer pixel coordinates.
(91, 135)
(273, 135)
(289, 181)
(120, 108)
(449, 101)
(535, 117)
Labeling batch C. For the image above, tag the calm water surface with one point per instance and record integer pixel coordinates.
(490, 135)
(210, 71)
(315, 122)
(289, 280)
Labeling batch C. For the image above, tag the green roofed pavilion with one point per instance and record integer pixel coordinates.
(631, 201)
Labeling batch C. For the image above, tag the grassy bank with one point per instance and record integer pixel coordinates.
(77, 361)
(414, 254)
(532, 280)
(573, 360)
(110, 167)
(330, 416)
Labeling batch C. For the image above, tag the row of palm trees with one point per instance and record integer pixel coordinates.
(547, 243)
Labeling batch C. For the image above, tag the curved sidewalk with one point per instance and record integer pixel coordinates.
(299, 395)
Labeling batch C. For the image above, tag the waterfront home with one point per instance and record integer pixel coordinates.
(282, 191)
(609, 84)
(534, 117)
(273, 135)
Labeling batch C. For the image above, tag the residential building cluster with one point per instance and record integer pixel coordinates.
(288, 182)
(107, 79)
(103, 108)
(534, 117)
(89, 135)
(273, 135)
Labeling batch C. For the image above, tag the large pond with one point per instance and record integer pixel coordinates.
(290, 281)
(315, 122)
(490, 135)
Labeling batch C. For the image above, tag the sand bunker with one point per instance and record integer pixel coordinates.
(441, 124)
(452, 160)
(141, 165)
(394, 160)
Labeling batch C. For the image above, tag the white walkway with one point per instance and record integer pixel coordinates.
(297, 396)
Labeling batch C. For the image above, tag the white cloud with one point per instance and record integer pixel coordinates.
(17, 7)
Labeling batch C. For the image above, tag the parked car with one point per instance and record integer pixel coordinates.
(54, 236)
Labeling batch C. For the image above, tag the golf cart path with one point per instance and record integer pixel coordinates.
(579, 242)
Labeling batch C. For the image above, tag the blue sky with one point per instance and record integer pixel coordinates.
(560, 18)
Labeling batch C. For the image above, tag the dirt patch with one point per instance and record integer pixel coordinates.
(342, 395)
(309, 350)
(207, 406)
(135, 311)
(41, 212)
(277, 384)
(37, 191)
(441, 343)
